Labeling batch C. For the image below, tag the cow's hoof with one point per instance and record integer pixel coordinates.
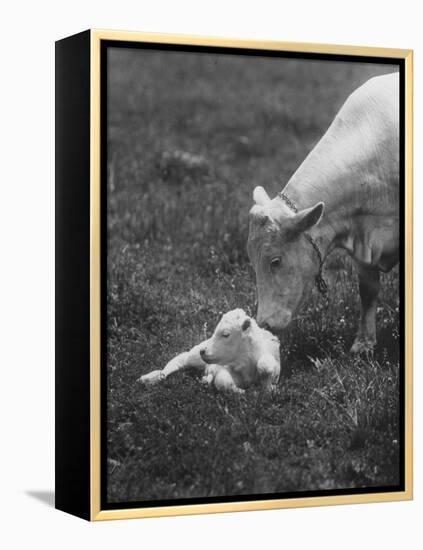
(362, 347)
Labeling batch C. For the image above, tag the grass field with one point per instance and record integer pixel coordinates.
(189, 139)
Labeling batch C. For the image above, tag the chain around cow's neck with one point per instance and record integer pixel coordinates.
(321, 284)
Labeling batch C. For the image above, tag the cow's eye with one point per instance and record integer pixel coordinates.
(225, 334)
(275, 262)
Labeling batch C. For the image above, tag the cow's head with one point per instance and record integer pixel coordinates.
(282, 257)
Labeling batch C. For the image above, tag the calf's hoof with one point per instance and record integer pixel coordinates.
(207, 380)
(151, 378)
(362, 346)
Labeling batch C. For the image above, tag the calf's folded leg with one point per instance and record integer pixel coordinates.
(268, 368)
(223, 381)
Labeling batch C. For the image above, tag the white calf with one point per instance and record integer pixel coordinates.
(238, 355)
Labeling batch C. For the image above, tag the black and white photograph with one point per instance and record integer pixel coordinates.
(254, 296)
(211, 268)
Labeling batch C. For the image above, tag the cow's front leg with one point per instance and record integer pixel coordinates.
(369, 285)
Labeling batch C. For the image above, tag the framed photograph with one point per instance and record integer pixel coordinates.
(233, 275)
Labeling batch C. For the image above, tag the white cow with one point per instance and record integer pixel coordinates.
(344, 195)
(238, 355)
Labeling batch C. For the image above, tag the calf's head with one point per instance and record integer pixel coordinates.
(283, 259)
(226, 344)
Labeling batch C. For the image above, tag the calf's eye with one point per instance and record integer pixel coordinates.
(225, 334)
(275, 262)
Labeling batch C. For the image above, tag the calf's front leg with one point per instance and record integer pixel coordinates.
(187, 360)
(369, 285)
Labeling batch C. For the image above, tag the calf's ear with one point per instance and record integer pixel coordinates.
(308, 218)
(246, 323)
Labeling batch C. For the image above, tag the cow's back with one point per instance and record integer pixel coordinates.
(357, 159)
(369, 119)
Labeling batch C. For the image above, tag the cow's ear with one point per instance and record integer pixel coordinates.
(308, 218)
(260, 196)
(258, 215)
(246, 324)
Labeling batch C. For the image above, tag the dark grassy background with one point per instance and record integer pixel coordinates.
(190, 136)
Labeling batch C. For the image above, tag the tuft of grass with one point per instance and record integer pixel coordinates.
(189, 138)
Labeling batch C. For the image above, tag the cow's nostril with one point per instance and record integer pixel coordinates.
(202, 352)
(266, 326)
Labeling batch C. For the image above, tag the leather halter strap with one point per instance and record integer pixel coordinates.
(320, 282)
